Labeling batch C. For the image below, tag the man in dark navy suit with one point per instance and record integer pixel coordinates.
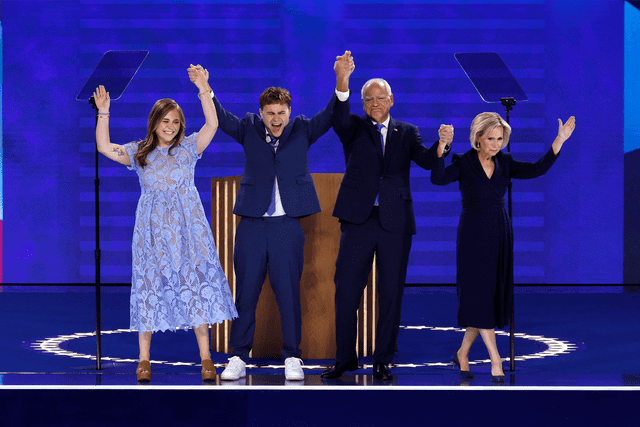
(276, 190)
(375, 209)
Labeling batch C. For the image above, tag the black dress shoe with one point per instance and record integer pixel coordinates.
(381, 372)
(338, 369)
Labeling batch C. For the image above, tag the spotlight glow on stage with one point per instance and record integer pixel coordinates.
(554, 347)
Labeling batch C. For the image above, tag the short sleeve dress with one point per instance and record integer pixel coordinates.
(484, 271)
(177, 279)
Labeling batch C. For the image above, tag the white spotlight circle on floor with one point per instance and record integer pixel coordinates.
(555, 347)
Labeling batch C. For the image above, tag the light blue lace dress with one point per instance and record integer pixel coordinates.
(177, 279)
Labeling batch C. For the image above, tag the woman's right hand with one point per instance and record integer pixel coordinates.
(564, 132)
(102, 100)
(445, 137)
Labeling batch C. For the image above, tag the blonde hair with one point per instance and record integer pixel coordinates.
(486, 122)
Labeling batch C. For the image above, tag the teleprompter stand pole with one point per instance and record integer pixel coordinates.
(508, 104)
(115, 71)
(97, 253)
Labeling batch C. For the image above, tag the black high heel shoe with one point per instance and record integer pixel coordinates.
(497, 378)
(456, 362)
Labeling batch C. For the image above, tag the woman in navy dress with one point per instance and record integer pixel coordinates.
(485, 235)
(177, 279)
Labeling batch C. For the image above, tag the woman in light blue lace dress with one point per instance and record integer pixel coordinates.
(177, 279)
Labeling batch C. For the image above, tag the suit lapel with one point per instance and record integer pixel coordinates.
(260, 128)
(393, 139)
(285, 135)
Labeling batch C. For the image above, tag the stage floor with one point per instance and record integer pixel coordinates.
(576, 364)
(565, 337)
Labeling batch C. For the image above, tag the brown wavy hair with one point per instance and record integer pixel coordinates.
(275, 95)
(160, 109)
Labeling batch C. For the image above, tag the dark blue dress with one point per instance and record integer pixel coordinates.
(485, 235)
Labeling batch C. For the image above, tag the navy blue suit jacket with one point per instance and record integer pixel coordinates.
(369, 172)
(289, 163)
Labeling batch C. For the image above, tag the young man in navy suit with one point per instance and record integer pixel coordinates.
(276, 190)
(375, 209)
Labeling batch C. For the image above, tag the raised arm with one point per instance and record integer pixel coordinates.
(322, 121)
(200, 77)
(343, 68)
(113, 151)
(425, 157)
(529, 170)
(443, 176)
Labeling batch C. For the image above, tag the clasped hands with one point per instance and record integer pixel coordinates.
(344, 65)
(445, 135)
(200, 77)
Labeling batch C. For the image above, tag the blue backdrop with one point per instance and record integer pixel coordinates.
(567, 54)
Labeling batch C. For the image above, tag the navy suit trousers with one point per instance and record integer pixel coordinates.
(275, 245)
(357, 246)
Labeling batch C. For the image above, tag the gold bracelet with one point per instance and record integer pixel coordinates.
(202, 93)
(103, 117)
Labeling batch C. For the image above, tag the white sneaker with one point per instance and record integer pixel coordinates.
(293, 369)
(235, 370)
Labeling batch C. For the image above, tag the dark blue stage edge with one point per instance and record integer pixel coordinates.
(296, 407)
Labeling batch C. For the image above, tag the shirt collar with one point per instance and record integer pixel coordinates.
(385, 123)
(267, 134)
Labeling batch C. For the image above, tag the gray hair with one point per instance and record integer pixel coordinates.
(369, 82)
(486, 122)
